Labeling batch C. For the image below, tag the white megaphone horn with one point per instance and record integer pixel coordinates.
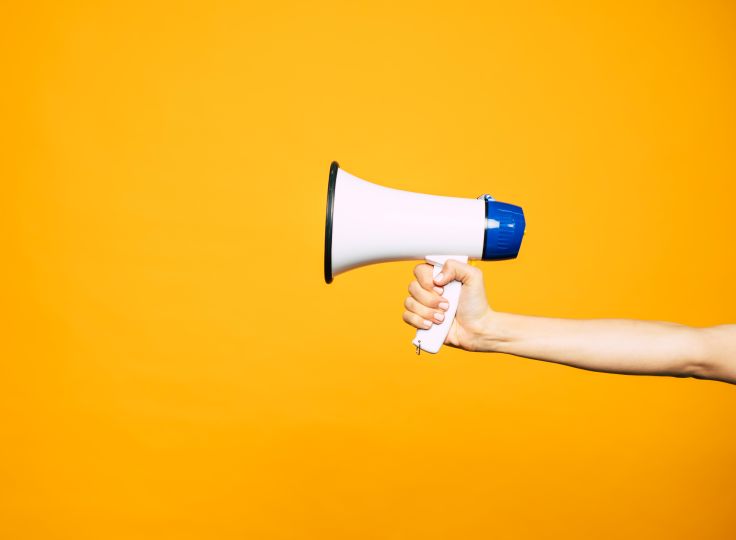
(367, 223)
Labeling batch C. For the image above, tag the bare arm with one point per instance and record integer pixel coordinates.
(616, 345)
(607, 345)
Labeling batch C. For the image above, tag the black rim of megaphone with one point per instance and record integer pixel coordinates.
(328, 220)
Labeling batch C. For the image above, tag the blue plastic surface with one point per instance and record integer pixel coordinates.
(505, 226)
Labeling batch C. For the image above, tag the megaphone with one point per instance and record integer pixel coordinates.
(367, 223)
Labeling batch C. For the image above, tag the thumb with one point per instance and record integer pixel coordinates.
(455, 270)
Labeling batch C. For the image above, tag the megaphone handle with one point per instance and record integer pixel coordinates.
(431, 340)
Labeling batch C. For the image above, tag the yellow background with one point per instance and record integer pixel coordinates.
(173, 365)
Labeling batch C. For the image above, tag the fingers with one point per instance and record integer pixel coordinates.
(420, 315)
(412, 319)
(428, 298)
(426, 312)
(454, 270)
(418, 320)
(426, 306)
(423, 273)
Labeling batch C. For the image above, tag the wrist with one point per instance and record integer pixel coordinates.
(489, 334)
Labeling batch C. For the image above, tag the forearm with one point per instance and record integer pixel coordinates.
(610, 345)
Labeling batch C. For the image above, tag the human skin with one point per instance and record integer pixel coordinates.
(607, 345)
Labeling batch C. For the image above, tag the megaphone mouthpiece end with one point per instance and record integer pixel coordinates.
(505, 228)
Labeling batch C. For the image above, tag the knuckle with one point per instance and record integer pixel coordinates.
(418, 309)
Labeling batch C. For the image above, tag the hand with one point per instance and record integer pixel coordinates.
(426, 306)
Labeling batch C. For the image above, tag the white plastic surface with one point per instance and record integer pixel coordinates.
(432, 340)
(372, 223)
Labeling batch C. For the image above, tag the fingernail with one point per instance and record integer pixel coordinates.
(439, 277)
(438, 290)
(427, 323)
(439, 316)
(444, 305)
